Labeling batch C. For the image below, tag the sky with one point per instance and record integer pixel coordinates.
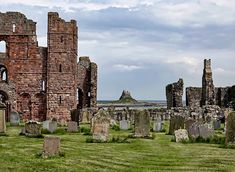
(143, 45)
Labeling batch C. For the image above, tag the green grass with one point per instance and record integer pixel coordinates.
(18, 153)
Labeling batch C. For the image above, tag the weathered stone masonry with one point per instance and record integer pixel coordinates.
(44, 82)
(208, 94)
(174, 93)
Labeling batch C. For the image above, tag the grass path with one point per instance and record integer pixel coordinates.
(18, 154)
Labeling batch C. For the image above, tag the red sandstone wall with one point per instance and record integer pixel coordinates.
(61, 67)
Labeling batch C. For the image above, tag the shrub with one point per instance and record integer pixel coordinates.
(116, 127)
(60, 131)
(85, 131)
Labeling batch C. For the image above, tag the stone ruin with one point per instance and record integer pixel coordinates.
(40, 83)
(196, 97)
(208, 94)
(174, 93)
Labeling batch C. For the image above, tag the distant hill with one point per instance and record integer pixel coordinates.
(126, 98)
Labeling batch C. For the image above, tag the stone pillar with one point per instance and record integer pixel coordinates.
(208, 89)
(230, 128)
(2, 118)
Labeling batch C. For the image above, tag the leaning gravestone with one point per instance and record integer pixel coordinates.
(124, 125)
(51, 146)
(206, 130)
(32, 128)
(100, 125)
(72, 127)
(176, 122)
(2, 118)
(50, 125)
(157, 125)
(14, 118)
(181, 135)
(230, 128)
(142, 123)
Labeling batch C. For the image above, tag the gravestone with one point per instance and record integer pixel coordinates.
(2, 118)
(75, 115)
(188, 123)
(206, 130)
(157, 125)
(85, 115)
(51, 146)
(32, 128)
(230, 128)
(193, 130)
(14, 118)
(50, 125)
(142, 123)
(124, 125)
(72, 127)
(217, 124)
(100, 125)
(181, 135)
(176, 122)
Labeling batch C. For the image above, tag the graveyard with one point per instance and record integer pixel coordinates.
(51, 118)
(20, 153)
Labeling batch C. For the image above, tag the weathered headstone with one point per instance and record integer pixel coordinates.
(188, 123)
(72, 126)
(75, 115)
(217, 124)
(85, 115)
(176, 122)
(32, 128)
(50, 125)
(14, 118)
(230, 128)
(51, 146)
(100, 125)
(2, 121)
(193, 130)
(206, 130)
(124, 125)
(157, 125)
(142, 123)
(181, 135)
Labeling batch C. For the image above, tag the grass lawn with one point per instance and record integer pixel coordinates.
(18, 153)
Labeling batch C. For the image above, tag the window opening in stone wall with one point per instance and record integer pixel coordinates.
(60, 68)
(89, 94)
(60, 99)
(61, 39)
(2, 47)
(3, 72)
(13, 28)
(43, 85)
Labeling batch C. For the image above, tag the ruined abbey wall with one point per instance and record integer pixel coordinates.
(42, 82)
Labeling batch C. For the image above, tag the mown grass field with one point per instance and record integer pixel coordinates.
(18, 153)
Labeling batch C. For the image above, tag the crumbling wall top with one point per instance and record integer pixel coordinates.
(16, 23)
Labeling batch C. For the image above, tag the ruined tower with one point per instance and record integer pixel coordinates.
(61, 67)
(208, 90)
(174, 93)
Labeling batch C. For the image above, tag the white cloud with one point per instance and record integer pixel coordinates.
(70, 6)
(124, 68)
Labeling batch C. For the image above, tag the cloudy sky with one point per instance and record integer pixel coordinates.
(142, 45)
